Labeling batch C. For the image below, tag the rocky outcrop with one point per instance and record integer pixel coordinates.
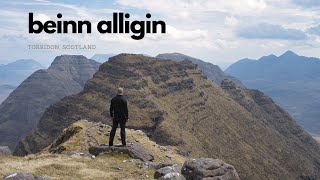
(175, 104)
(207, 168)
(21, 111)
(56, 146)
(169, 172)
(132, 150)
(24, 176)
(73, 160)
(5, 151)
(172, 176)
(213, 72)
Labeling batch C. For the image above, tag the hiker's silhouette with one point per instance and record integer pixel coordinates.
(119, 115)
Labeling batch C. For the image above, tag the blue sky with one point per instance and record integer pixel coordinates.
(219, 31)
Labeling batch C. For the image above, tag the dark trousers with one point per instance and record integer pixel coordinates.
(122, 133)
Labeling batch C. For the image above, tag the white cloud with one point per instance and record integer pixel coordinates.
(230, 21)
(183, 7)
(272, 45)
(270, 31)
(186, 35)
(42, 17)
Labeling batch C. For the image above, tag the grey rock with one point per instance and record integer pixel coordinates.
(207, 168)
(5, 151)
(172, 176)
(153, 165)
(133, 150)
(24, 176)
(166, 170)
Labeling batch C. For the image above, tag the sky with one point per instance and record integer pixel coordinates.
(220, 31)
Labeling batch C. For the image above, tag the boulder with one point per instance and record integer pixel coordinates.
(172, 176)
(24, 176)
(5, 151)
(153, 165)
(207, 168)
(133, 150)
(169, 172)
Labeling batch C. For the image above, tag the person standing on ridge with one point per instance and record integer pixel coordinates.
(119, 115)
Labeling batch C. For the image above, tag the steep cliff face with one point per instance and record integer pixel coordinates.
(21, 111)
(212, 71)
(175, 104)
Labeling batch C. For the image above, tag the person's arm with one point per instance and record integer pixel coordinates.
(111, 109)
(126, 109)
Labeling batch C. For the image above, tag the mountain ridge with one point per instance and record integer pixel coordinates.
(290, 79)
(212, 71)
(21, 111)
(175, 104)
(12, 74)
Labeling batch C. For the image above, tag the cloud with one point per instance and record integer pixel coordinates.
(314, 30)
(189, 35)
(13, 38)
(270, 31)
(230, 21)
(185, 7)
(307, 3)
(42, 17)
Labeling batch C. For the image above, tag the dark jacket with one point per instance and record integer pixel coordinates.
(119, 108)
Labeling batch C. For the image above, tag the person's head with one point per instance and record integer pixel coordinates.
(120, 91)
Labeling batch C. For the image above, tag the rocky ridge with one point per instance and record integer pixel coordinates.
(175, 104)
(70, 152)
(212, 71)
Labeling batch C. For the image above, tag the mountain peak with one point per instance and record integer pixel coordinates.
(68, 58)
(24, 64)
(270, 57)
(289, 54)
(68, 61)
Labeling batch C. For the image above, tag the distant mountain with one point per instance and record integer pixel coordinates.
(176, 104)
(5, 90)
(12, 74)
(293, 81)
(21, 111)
(213, 72)
(102, 57)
